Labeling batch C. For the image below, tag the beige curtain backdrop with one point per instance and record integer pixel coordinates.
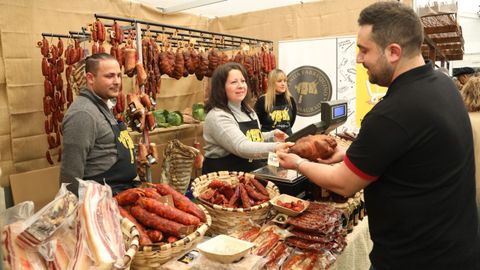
(23, 141)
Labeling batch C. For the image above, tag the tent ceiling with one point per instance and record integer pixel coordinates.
(223, 8)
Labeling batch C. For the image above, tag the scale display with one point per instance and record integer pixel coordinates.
(339, 111)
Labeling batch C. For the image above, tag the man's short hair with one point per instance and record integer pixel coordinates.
(394, 22)
(92, 61)
(463, 70)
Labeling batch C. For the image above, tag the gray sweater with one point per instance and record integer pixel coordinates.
(88, 141)
(222, 136)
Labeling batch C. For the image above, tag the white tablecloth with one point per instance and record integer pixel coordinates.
(359, 245)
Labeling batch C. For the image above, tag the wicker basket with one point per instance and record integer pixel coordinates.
(131, 242)
(153, 256)
(224, 219)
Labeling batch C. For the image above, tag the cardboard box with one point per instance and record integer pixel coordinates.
(39, 186)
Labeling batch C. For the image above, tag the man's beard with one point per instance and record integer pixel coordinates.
(382, 75)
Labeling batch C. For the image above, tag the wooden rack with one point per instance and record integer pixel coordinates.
(178, 33)
(443, 35)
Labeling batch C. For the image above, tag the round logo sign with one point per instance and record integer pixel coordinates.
(309, 86)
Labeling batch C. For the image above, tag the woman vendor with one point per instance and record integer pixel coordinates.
(233, 140)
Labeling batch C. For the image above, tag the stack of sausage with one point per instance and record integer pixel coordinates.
(279, 254)
(319, 227)
(156, 221)
(246, 193)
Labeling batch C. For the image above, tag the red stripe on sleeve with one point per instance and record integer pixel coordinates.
(357, 171)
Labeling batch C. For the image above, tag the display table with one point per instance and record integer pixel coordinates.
(359, 245)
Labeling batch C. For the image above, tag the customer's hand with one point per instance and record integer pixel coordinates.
(287, 160)
(279, 135)
(338, 154)
(283, 147)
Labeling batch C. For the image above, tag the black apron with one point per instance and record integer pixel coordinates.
(233, 162)
(119, 177)
(281, 117)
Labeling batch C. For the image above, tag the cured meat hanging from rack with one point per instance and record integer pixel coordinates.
(213, 60)
(54, 97)
(179, 67)
(202, 67)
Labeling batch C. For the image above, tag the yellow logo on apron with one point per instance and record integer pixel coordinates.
(254, 135)
(279, 116)
(127, 142)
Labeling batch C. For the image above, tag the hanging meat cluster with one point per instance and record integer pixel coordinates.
(54, 100)
(140, 107)
(149, 74)
(245, 194)
(147, 155)
(186, 60)
(98, 36)
(155, 220)
(116, 39)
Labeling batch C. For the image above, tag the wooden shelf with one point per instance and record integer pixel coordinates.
(443, 36)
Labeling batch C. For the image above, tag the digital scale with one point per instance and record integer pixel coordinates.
(333, 114)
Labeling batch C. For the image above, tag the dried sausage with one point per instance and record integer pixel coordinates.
(259, 187)
(144, 237)
(49, 157)
(154, 221)
(181, 202)
(129, 196)
(168, 211)
(244, 196)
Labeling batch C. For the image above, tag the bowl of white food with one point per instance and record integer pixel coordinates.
(224, 249)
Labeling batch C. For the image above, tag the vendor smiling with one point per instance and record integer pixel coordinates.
(233, 140)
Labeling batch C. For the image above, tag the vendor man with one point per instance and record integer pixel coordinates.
(463, 74)
(96, 146)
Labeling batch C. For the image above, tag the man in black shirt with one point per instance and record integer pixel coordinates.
(413, 155)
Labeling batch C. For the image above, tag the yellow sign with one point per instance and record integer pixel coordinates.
(367, 94)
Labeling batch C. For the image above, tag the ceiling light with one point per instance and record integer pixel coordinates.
(189, 5)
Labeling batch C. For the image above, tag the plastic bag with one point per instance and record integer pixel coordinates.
(100, 221)
(15, 257)
(41, 227)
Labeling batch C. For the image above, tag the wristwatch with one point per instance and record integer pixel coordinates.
(299, 161)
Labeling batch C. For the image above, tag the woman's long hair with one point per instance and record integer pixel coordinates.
(218, 96)
(270, 96)
(471, 94)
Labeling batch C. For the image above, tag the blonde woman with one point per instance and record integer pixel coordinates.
(277, 108)
(471, 96)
